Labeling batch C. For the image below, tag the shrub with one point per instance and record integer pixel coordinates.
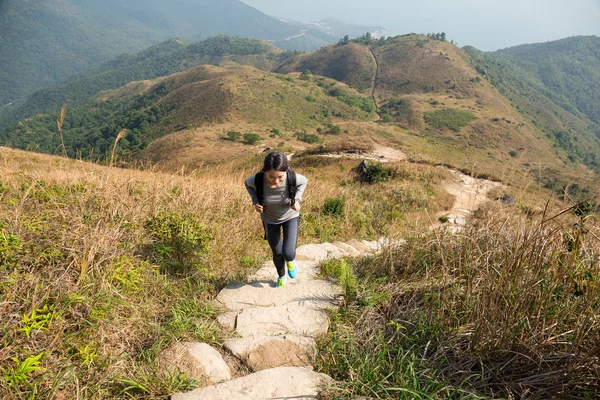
(305, 76)
(234, 136)
(307, 137)
(449, 118)
(334, 206)
(251, 138)
(373, 173)
(179, 240)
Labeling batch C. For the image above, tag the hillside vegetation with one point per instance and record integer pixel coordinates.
(46, 42)
(101, 268)
(555, 85)
(161, 60)
(351, 64)
(201, 96)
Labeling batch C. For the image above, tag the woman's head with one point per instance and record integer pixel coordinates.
(275, 168)
(277, 161)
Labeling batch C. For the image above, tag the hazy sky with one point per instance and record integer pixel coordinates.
(487, 25)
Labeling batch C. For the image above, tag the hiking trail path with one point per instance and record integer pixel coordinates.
(274, 329)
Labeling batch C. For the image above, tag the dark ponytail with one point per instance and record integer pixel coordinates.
(276, 160)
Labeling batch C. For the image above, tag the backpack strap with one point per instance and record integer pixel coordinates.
(291, 184)
(259, 183)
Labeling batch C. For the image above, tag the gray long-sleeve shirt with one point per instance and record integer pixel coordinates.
(276, 204)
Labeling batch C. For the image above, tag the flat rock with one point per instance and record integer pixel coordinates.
(316, 293)
(311, 252)
(351, 251)
(298, 383)
(292, 318)
(371, 245)
(197, 360)
(332, 250)
(359, 246)
(264, 352)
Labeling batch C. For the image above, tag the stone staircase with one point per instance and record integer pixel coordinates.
(275, 329)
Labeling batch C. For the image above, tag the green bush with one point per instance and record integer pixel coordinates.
(180, 240)
(305, 76)
(251, 138)
(234, 136)
(307, 137)
(334, 206)
(449, 118)
(373, 173)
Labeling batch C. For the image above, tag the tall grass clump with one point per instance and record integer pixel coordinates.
(509, 308)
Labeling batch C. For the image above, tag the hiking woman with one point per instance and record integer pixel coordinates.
(276, 193)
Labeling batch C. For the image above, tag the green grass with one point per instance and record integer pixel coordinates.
(449, 118)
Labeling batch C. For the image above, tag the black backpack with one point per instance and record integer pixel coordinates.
(259, 182)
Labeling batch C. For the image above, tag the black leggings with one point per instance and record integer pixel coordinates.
(285, 251)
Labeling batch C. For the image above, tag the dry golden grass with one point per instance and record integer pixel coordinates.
(75, 240)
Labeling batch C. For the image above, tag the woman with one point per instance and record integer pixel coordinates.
(271, 198)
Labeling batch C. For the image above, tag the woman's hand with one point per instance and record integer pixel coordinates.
(258, 208)
(296, 206)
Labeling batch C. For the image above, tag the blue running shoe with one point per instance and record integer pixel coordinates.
(292, 269)
(280, 282)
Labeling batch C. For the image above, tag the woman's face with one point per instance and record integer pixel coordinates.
(274, 177)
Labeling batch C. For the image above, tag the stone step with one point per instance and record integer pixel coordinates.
(317, 294)
(298, 383)
(292, 318)
(264, 352)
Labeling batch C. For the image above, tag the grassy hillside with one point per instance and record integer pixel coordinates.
(43, 43)
(163, 59)
(553, 85)
(101, 268)
(351, 64)
(195, 99)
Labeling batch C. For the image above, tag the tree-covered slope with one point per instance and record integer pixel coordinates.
(47, 41)
(163, 59)
(198, 97)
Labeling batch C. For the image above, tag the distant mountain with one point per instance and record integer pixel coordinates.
(47, 41)
(163, 59)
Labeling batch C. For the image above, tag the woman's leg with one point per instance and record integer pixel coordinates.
(274, 236)
(290, 239)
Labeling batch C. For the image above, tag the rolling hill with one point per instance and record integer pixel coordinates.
(44, 43)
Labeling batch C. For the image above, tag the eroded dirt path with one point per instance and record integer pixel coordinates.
(470, 194)
(374, 83)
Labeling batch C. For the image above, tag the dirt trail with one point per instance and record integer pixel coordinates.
(374, 83)
(470, 194)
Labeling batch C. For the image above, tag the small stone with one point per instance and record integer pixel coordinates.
(197, 360)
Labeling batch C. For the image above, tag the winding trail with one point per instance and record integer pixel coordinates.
(374, 83)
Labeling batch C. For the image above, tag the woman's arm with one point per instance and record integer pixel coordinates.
(251, 188)
(301, 182)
